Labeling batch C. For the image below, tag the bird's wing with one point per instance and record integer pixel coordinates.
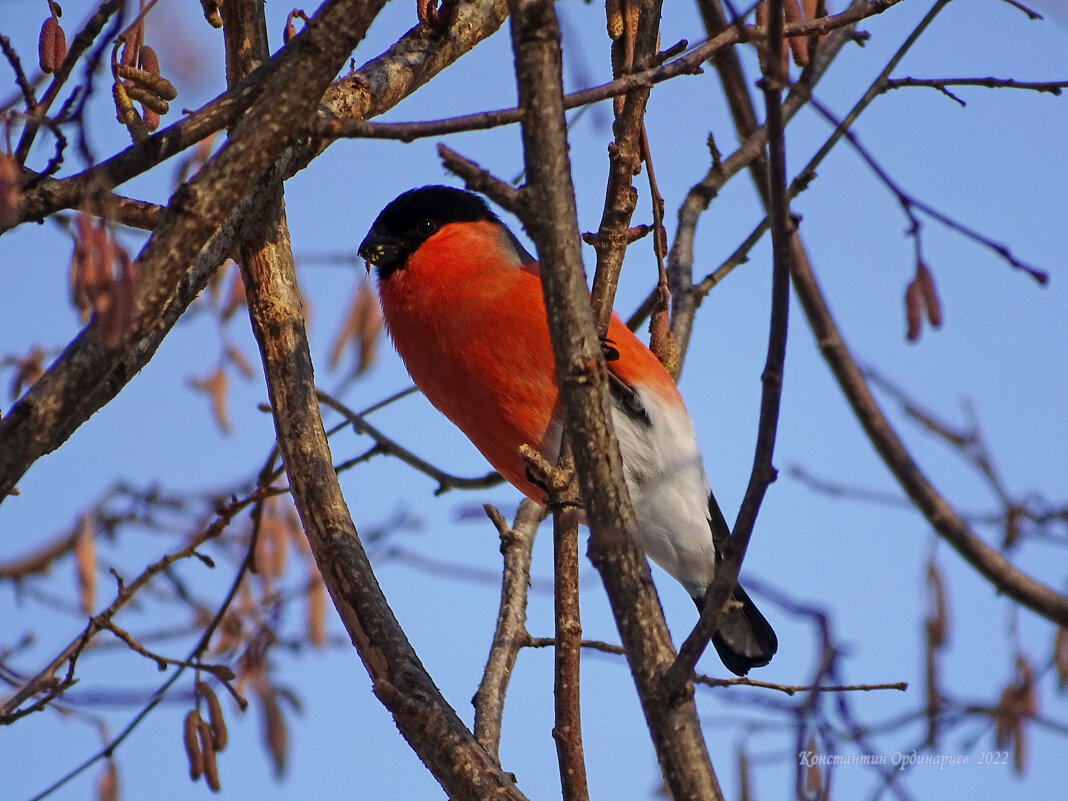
(624, 394)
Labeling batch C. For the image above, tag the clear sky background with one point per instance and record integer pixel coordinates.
(999, 165)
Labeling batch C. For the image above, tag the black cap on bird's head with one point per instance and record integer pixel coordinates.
(411, 219)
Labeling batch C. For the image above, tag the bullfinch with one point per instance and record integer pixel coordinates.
(463, 303)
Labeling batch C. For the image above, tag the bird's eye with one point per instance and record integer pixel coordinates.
(426, 227)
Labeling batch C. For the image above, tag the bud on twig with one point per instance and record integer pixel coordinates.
(291, 25)
(10, 190)
(51, 45)
(211, 12)
(434, 16)
(107, 784)
(127, 114)
(275, 731)
(930, 294)
(1060, 656)
(921, 296)
(149, 100)
(149, 60)
(85, 562)
(316, 609)
(614, 19)
(938, 616)
(798, 44)
(813, 780)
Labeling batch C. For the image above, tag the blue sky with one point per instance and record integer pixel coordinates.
(998, 165)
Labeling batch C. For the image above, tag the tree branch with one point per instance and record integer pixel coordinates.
(511, 633)
(567, 731)
(634, 50)
(549, 207)
(943, 518)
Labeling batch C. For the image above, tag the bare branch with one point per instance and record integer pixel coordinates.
(430, 725)
(551, 221)
(1050, 87)
(46, 681)
(793, 689)
(634, 49)
(763, 473)
(568, 728)
(511, 633)
(908, 202)
(446, 481)
(748, 155)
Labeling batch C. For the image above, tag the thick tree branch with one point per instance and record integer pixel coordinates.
(374, 88)
(432, 728)
(423, 716)
(89, 372)
(551, 221)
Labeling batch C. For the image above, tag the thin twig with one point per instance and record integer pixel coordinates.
(79, 44)
(446, 481)
(20, 77)
(1050, 87)
(748, 155)
(739, 681)
(44, 679)
(763, 471)
(221, 672)
(909, 202)
(687, 64)
(634, 48)
(793, 689)
(202, 643)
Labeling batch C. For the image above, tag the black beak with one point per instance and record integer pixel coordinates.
(386, 253)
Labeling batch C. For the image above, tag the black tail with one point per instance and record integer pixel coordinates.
(744, 638)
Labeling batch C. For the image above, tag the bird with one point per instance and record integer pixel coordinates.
(462, 302)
